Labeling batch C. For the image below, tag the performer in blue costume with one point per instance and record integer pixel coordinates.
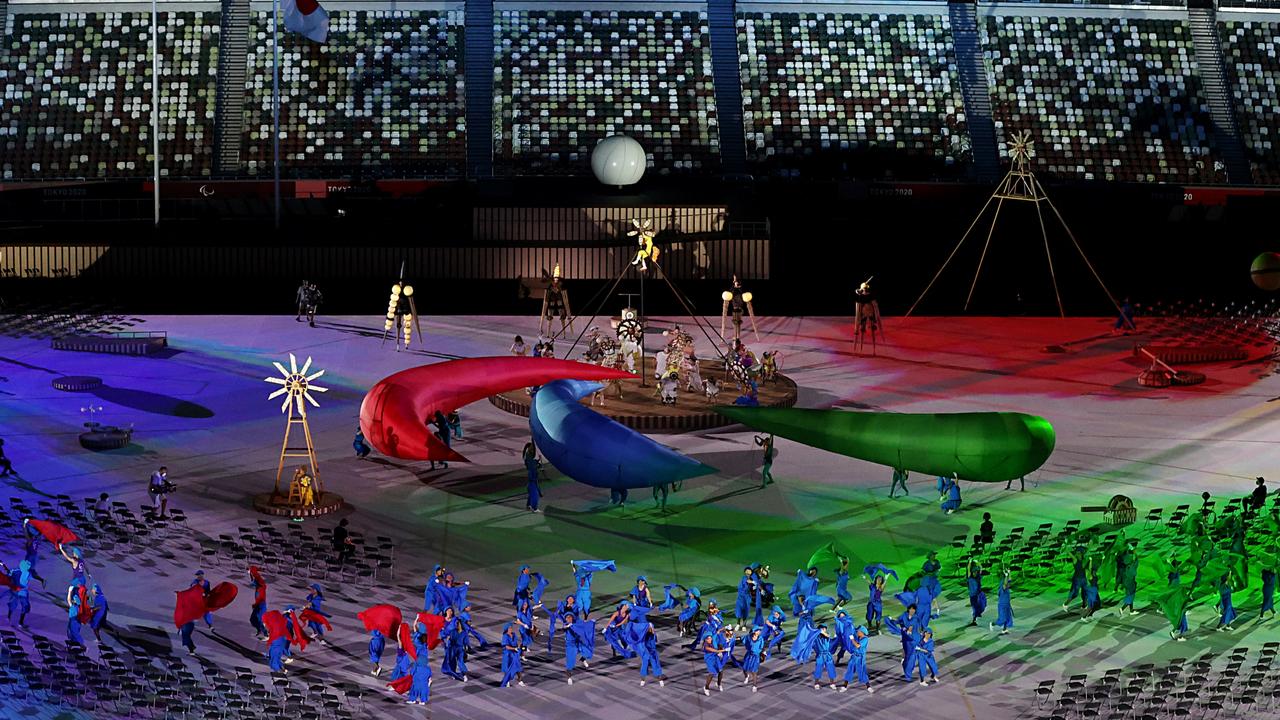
(420, 690)
(1226, 609)
(823, 662)
(843, 596)
(673, 598)
(531, 466)
(1128, 576)
(899, 481)
(753, 655)
(952, 503)
(377, 643)
(710, 626)
(745, 604)
(454, 639)
(20, 592)
(512, 658)
(450, 593)
(689, 615)
(1079, 577)
(647, 648)
(526, 581)
(843, 631)
(640, 595)
(1179, 632)
(716, 650)
(524, 621)
(614, 631)
(1004, 606)
(1268, 593)
(875, 603)
(184, 636)
(806, 631)
(567, 605)
(773, 630)
(579, 643)
(977, 597)
(259, 607)
(403, 666)
(361, 445)
(859, 640)
(806, 584)
(73, 612)
(315, 601)
(582, 572)
(929, 577)
(924, 659)
(941, 485)
(100, 610)
(469, 631)
(205, 587)
(905, 627)
(1092, 595)
(429, 595)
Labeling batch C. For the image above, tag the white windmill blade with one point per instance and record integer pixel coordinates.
(310, 399)
(317, 388)
(280, 367)
(276, 380)
(305, 366)
(287, 399)
(293, 364)
(317, 374)
(302, 408)
(277, 393)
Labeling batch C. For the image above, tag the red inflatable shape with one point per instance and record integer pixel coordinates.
(396, 410)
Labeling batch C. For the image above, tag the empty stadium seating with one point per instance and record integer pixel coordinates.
(77, 95)
(814, 82)
(1252, 51)
(566, 79)
(1104, 98)
(382, 97)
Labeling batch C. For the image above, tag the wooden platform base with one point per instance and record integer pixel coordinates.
(278, 505)
(640, 408)
(1192, 354)
(115, 344)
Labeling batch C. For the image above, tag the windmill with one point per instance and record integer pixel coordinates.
(296, 388)
(1019, 185)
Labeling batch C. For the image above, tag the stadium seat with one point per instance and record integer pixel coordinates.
(77, 95)
(1104, 98)
(563, 80)
(1251, 51)
(383, 97)
(815, 82)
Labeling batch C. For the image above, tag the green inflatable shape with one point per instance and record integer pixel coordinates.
(981, 447)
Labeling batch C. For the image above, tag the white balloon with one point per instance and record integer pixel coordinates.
(618, 160)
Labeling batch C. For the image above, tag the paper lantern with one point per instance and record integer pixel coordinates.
(618, 160)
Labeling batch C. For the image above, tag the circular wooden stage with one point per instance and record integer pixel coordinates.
(277, 504)
(640, 408)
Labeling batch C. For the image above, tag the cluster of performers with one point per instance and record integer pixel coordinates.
(86, 602)
(753, 637)
(754, 633)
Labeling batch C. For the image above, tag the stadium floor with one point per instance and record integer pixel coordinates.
(202, 411)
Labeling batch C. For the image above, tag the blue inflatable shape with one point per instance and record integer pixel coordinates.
(598, 451)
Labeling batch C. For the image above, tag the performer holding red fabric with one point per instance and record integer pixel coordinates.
(382, 622)
(259, 602)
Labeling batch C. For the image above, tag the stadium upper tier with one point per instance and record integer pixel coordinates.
(859, 89)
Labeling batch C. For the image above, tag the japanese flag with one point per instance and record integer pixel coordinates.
(307, 18)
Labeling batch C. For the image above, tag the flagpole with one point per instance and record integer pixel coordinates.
(275, 103)
(155, 111)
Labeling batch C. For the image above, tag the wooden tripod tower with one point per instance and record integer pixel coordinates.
(296, 388)
(1019, 185)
